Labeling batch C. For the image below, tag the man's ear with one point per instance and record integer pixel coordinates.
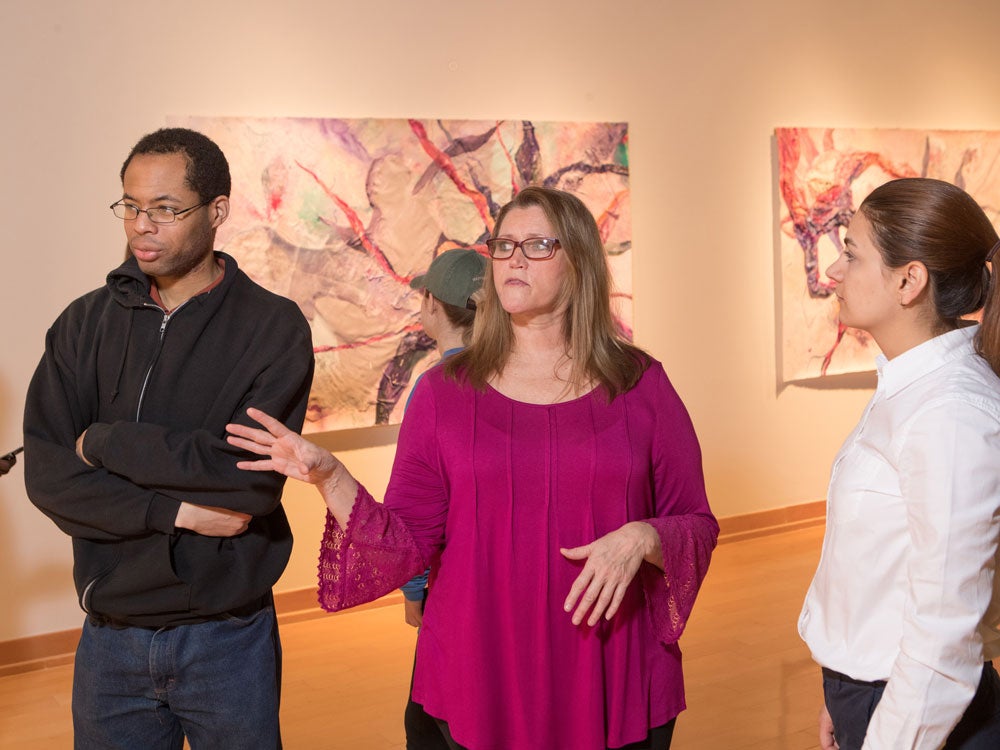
(218, 210)
(913, 280)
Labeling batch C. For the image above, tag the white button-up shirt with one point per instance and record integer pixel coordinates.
(906, 589)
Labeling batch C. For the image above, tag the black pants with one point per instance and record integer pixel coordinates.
(657, 739)
(851, 704)
(422, 731)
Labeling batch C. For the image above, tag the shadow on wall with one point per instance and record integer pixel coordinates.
(36, 564)
(340, 441)
(36, 571)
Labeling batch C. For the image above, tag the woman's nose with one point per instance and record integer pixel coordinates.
(833, 271)
(518, 258)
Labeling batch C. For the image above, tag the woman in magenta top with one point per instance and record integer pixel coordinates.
(551, 477)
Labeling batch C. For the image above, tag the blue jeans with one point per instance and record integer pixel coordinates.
(851, 704)
(216, 683)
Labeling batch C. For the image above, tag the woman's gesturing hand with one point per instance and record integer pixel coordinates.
(287, 452)
(612, 562)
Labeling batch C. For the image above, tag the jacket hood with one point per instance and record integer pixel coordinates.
(129, 286)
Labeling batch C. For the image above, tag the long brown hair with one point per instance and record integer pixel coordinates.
(594, 341)
(941, 226)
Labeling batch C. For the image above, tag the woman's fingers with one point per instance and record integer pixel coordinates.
(591, 593)
(285, 451)
(265, 465)
(600, 598)
(271, 424)
(611, 563)
(249, 445)
(603, 599)
(582, 581)
(254, 439)
(616, 600)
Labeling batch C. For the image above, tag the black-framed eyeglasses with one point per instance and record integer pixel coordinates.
(534, 248)
(157, 215)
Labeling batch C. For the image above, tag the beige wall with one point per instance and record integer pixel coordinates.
(702, 85)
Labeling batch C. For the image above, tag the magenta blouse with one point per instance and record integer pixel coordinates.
(485, 490)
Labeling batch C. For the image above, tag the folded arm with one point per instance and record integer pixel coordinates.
(199, 466)
(60, 484)
(136, 476)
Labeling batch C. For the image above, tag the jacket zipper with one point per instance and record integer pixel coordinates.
(85, 596)
(167, 316)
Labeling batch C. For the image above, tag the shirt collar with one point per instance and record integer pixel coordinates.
(896, 374)
(155, 293)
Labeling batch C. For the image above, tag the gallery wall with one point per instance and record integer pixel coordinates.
(702, 86)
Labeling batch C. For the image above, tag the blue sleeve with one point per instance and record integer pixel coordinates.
(413, 589)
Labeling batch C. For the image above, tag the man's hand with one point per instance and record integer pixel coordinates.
(209, 521)
(413, 612)
(79, 448)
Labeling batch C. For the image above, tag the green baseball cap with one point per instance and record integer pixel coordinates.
(454, 276)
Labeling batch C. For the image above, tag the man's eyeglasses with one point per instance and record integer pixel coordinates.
(157, 215)
(536, 248)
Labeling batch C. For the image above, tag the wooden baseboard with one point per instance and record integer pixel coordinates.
(38, 651)
(774, 521)
(55, 649)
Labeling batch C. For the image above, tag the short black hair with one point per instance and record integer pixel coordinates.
(207, 169)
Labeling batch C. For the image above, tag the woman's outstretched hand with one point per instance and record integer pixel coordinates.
(287, 452)
(291, 454)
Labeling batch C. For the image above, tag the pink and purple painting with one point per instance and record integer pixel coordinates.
(823, 175)
(340, 214)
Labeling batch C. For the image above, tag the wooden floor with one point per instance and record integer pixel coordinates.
(750, 681)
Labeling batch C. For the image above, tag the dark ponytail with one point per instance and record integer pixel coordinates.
(988, 339)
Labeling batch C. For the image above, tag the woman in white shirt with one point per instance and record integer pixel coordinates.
(903, 613)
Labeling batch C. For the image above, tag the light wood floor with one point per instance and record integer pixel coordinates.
(750, 682)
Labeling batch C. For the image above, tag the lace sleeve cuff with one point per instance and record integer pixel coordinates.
(374, 555)
(687, 542)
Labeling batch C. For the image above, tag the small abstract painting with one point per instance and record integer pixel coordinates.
(823, 176)
(339, 215)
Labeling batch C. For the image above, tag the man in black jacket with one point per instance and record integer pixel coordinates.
(175, 549)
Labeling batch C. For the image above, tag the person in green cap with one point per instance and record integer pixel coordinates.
(447, 313)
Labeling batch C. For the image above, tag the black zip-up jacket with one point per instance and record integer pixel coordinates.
(155, 392)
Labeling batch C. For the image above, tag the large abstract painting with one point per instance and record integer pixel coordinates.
(339, 215)
(823, 175)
